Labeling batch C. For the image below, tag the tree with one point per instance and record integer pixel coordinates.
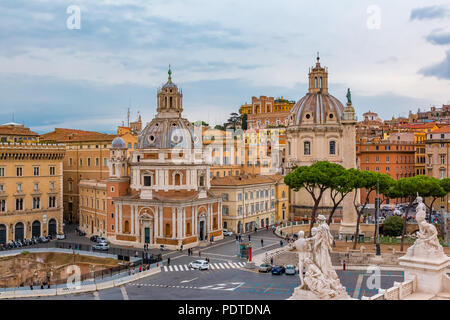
(340, 186)
(233, 120)
(411, 187)
(368, 180)
(315, 179)
(244, 121)
(219, 127)
(200, 123)
(393, 226)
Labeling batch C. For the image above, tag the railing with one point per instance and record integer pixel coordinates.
(399, 291)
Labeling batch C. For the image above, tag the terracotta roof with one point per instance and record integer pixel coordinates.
(445, 129)
(246, 179)
(418, 125)
(73, 135)
(16, 131)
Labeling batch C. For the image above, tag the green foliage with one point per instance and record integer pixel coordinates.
(422, 185)
(445, 184)
(244, 121)
(200, 123)
(25, 253)
(219, 127)
(393, 226)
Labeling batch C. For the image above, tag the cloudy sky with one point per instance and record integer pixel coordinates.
(394, 55)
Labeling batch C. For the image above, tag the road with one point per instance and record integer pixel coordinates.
(227, 279)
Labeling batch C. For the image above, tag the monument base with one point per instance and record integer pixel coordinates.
(430, 273)
(347, 228)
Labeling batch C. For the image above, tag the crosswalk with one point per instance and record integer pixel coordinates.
(212, 266)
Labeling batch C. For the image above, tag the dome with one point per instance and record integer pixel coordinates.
(316, 108)
(167, 133)
(118, 143)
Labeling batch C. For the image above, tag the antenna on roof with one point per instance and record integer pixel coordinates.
(128, 117)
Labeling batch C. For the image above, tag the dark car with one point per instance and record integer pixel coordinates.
(94, 238)
(278, 270)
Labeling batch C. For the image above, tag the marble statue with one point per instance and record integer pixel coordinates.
(320, 279)
(427, 243)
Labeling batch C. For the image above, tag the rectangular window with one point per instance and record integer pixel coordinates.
(19, 204)
(89, 162)
(36, 186)
(3, 206)
(2, 172)
(442, 159)
(105, 161)
(81, 162)
(19, 187)
(19, 171)
(52, 170)
(70, 162)
(36, 202)
(147, 181)
(35, 171)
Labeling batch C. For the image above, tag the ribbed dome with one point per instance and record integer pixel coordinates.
(316, 108)
(118, 143)
(167, 133)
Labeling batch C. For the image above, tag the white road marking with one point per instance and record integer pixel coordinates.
(221, 266)
(170, 268)
(124, 293)
(176, 268)
(358, 286)
(181, 267)
(165, 268)
(184, 281)
(212, 266)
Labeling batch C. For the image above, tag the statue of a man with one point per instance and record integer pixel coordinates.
(301, 247)
(349, 96)
(323, 241)
(421, 212)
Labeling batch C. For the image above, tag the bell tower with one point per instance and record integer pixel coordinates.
(318, 78)
(170, 100)
(118, 165)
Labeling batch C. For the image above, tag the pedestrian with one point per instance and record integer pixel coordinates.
(281, 243)
(199, 253)
(281, 232)
(42, 285)
(271, 260)
(168, 261)
(181, 248)
(249, 238)
(262, 243)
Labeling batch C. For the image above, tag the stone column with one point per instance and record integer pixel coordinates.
(174, 234)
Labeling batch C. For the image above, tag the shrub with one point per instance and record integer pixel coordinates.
(393, 226)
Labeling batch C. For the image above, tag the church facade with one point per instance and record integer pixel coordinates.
(159, 194)
(321, 128)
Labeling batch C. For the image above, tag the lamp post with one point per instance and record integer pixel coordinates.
(377, 212)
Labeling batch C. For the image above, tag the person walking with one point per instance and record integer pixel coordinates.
(281, 243)
(168, 261)
(249, 238)
(262, 242)
(271, 260)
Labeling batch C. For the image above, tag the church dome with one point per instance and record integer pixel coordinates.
(317, 106)
(118, 143)
(167, 133)
(168, 129)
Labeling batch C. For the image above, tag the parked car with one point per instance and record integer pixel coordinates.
(290, 269)
(81, 233)
(43, 239)
(60, 236)
(227, 233)
(101, 246)
(162, 247)
(101, 239)
(278, 270)
(199, 264)
(265, 267)
(93, 238)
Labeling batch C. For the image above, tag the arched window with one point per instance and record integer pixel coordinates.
(170, 102)
(332, 147)
(320, 82)
(127, 226)
(188, 229)
(307, 148)
(177, 179)
(202, 181)
(165, 102)
(315, 82)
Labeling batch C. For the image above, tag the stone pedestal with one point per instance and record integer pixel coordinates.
(430, 272)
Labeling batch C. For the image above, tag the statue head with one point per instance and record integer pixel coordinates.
(313, 231)
(321, 218)
(419, 199)
(301, 234)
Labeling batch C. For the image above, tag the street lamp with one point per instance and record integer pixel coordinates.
(377, 212)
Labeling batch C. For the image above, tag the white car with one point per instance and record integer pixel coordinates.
(101, 246)
(227, 233)
(290, 269)
(199, 264)
(101, 239)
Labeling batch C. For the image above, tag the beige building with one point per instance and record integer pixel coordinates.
(250, 201)
(93, 213)
(320, 128)
(437, 149)
(87, 155)
(31, 178)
